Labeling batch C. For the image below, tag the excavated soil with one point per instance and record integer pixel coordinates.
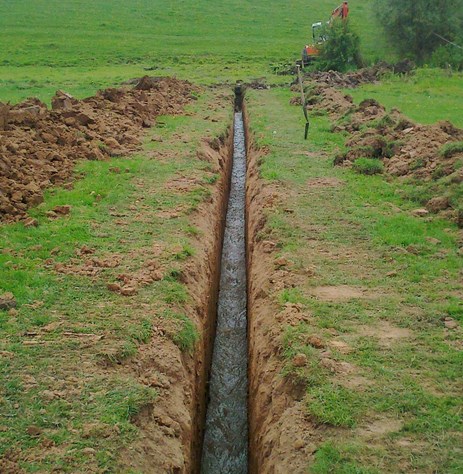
(367, 75)
(407, 149)
(39, 147)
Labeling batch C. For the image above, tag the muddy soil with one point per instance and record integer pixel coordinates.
(39, 147)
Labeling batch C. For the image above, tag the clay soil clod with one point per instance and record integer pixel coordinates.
(39, 147)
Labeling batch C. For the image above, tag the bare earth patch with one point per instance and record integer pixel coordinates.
(340, 293)
(324, 182)
(385, 332)
(380, 427)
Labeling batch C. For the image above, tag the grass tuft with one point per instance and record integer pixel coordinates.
(337, 458)
(291, 295)
(186, 335)
(187, 251)
(450, 149)
(334, 405)
(368, 166)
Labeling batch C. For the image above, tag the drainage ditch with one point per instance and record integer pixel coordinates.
(225, 446)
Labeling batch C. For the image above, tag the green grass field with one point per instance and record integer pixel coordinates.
(358, 234)
(81, 45)
(426, 97)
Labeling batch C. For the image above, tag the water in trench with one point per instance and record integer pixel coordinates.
(225, 448)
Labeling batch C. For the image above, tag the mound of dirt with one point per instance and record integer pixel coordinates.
(420, 155)
(334, 101)
(362, 76)
(39, 147)
(407, 149)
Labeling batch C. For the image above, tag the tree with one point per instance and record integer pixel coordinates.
(341, 50)
(414, 26)
(449, 55)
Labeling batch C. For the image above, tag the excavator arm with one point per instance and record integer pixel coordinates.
(340, 12)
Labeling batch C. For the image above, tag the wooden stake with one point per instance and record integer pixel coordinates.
(304, 108)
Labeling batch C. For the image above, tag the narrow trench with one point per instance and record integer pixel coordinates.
(225, 446)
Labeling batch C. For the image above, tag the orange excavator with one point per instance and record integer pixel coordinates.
(311, 51)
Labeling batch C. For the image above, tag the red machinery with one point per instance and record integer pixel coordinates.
(311, 51)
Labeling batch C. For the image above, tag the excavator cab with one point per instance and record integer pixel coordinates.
(317, 33)
(311, 51)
